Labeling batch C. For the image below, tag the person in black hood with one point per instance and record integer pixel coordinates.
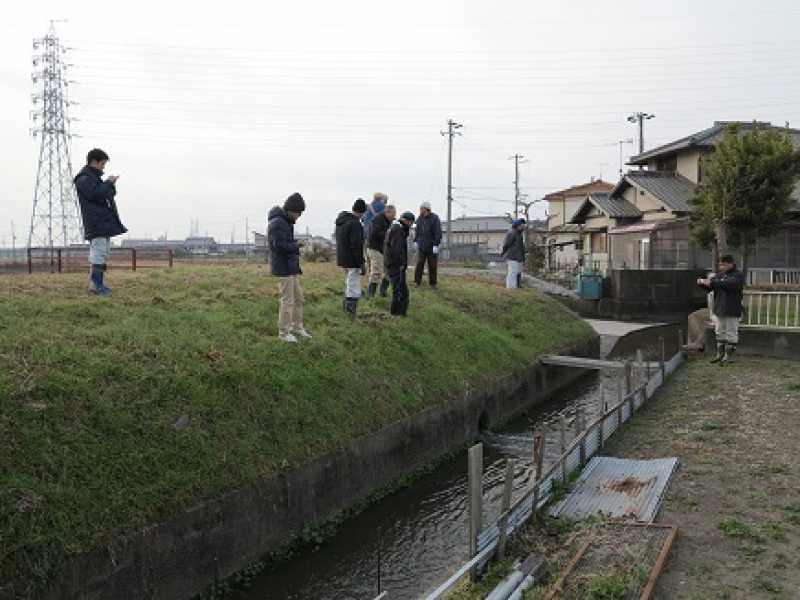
(101, 219)
(350, 254)
(395, 259)
(377, 236)
(727, 286)
(284, 259)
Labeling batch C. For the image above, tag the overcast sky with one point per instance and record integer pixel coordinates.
(217, 111)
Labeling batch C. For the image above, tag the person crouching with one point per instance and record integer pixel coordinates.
(395, 257)
(350, 254)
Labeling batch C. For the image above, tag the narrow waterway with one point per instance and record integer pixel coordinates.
(411, 541)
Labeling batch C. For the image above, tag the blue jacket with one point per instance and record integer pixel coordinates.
(374, 209)
(429, 233)
(284, 251)
(98, 208)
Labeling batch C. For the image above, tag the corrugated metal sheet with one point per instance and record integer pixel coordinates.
(618, 487)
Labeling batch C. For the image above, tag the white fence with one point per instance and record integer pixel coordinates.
(771, 310)
(760, 276)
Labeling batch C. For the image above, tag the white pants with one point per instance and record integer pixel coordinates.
(99, 249)
(726, 329)
(352, 283)
(514, 269)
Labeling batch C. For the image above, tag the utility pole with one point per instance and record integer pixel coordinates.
(640, 117)
(622, 143)
(55, 219)
(13, 238)
(452, 130)
(516, 158)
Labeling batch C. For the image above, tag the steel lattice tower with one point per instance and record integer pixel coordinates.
(55, 221)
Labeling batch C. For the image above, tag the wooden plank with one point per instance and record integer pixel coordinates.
(475, 491)
(647, 592)
(581, 362)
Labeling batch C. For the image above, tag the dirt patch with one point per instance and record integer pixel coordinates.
(736, 496)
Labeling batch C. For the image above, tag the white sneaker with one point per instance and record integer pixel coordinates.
(288, 337)
(302, 333)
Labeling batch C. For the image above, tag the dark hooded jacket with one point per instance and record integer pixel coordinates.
(395, 249)
(514, 246)
(98, 208)
(349, 241)
(377, 232)
(728, 291)
(284, 251)
(429, 233)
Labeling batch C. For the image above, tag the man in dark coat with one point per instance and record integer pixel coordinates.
(350, 254)
(101, 219)
(284, 259)
(429, 237)
(727, 286)
(514, 253)
(377, 236)
(395, 257)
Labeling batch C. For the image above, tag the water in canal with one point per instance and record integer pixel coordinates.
(415, 538)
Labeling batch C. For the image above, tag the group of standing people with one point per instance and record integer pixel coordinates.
(370, 239)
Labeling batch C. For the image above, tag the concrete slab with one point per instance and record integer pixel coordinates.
(611, 331)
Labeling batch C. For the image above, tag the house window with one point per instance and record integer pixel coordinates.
(599, 242)
(667, 164)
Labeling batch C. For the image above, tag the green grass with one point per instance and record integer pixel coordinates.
(91, 389)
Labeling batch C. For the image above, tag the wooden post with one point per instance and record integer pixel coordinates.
(539, 441)
(640, 361)
(475, 491)
(30, 261)
(133, 259)
(58, 260)
(628, 377)
(563, 440)
(579, 418)
(170, 256)
(663, 359)
(505, 505)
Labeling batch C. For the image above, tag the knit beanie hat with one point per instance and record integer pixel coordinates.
(359, 206)
(294, 203)
(408, 216)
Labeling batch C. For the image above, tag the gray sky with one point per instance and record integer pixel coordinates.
(217, 111)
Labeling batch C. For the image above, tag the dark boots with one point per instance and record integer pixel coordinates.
(725, 354)
(720, 354)
(351, 307)
(384, 291)
(97, 285)
(371, 289)
(730, 353)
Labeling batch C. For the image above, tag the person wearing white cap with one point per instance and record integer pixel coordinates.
(514, 253)
(429, 237)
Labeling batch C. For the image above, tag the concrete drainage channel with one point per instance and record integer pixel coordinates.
(641, 380)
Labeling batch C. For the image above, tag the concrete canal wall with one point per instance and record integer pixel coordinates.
(180, 557)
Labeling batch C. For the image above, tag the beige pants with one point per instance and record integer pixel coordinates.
(375, 260)
(726, 329)
(290, 315)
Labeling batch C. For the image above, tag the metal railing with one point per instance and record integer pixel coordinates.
(572, 458)
(761, 276)
(76, 259)
(771, 310)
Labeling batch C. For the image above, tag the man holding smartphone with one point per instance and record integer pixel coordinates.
(101, 219)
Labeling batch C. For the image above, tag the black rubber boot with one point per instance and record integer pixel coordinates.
(371, 289)
(351, 308)
(384, 291)
(730, 354)
(720, 354)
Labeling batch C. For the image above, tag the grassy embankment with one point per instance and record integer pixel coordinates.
(115, 413)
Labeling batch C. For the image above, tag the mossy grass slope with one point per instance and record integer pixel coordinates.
(118, 412)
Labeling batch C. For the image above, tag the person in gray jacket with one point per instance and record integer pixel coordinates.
(514, 253)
